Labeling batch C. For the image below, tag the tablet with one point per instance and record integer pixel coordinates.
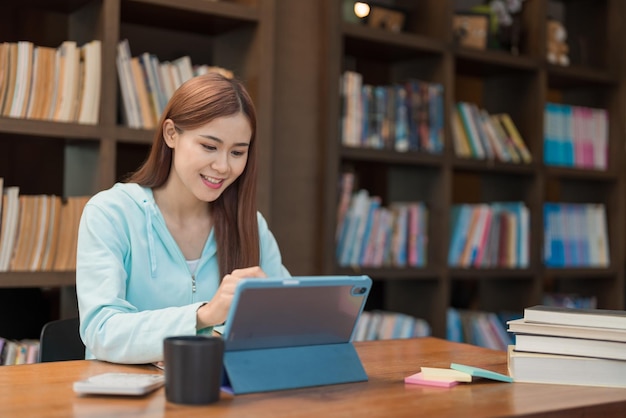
(295, 311)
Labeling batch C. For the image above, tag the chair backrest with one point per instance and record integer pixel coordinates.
(60, 341)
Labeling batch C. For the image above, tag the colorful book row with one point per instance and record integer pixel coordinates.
(575, 235)
(384, 325)
(370, 235)
(485, 329)
(576, 136)
(147, 84)
(489, 235)
(38, 232)
(18, 352)
(60, 84)
(403, 117)
(477, 134)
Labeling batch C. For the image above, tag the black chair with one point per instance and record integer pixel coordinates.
(60, 341)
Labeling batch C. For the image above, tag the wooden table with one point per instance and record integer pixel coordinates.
(45, 390)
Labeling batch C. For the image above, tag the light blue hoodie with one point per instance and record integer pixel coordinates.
(133, 284)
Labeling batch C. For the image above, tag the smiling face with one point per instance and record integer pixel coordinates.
(208, 159)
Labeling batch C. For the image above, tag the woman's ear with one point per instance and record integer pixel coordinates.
(169, 132)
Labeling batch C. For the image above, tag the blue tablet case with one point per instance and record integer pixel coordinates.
(293, 332)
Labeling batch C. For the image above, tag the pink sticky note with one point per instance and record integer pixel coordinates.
(417, 379)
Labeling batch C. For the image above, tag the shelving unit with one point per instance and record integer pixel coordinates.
(43, 157)
(498, 81)
(291, 56)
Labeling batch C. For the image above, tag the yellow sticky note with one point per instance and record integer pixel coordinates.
(436, 373)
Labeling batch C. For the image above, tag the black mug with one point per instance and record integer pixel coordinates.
(193, 369)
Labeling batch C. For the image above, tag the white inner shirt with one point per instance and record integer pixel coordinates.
(193, 265)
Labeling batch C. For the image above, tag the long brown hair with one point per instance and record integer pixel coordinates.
(196, 103)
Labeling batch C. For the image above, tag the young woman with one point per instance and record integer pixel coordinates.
(161, 254)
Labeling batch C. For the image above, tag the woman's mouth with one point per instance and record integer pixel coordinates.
(212, 182)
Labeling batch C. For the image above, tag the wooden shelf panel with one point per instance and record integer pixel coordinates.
(41, 128)
(199, 16)
(577, 77)
(134, 136)
(580, 174)
(390, 156)
(392, 273)
(37, 279)
(485, 63)
(62, 6)
(492, 166)
(490, 273)
(582, 273)
(387, 46)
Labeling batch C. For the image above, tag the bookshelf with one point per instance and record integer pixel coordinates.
(68, 159)
(498, 81)
(291, 55)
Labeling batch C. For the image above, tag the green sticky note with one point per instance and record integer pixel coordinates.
(478, 372)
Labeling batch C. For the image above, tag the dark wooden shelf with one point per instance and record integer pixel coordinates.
(498, 82)
(493, 166)
(384, 45)
(392, 273)
(40, 156)
(483, 63)
(577, 77)
(578, 273)
(62, 6)
(490, 274)
(49, 129)
(15, 279)
(134, 136)
(581, 174)
(390, 156)
(200, 16)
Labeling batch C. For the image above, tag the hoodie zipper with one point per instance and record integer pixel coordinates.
(193, 283)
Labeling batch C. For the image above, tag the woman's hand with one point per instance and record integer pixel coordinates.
(216, 310)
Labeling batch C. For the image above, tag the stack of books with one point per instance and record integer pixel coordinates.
(559, 345)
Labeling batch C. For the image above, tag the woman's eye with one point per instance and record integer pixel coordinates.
(209, 147)
(239, 153)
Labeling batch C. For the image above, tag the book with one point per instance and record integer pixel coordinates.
(52, 237)
(460, 222)
(603, 318)
(443, 374)
(23, 78)
(10, 78)
(520, 326)
(44, 85)
(10, 221)
(516, 137)
(40, 233)
(570, 346)
(4, 70)
(140, 86)
(419, 379)
(565, 370)
(470, 130)
(68, 81)
(89, 108)
(26, 232)
(480, 372)
(130, 100)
